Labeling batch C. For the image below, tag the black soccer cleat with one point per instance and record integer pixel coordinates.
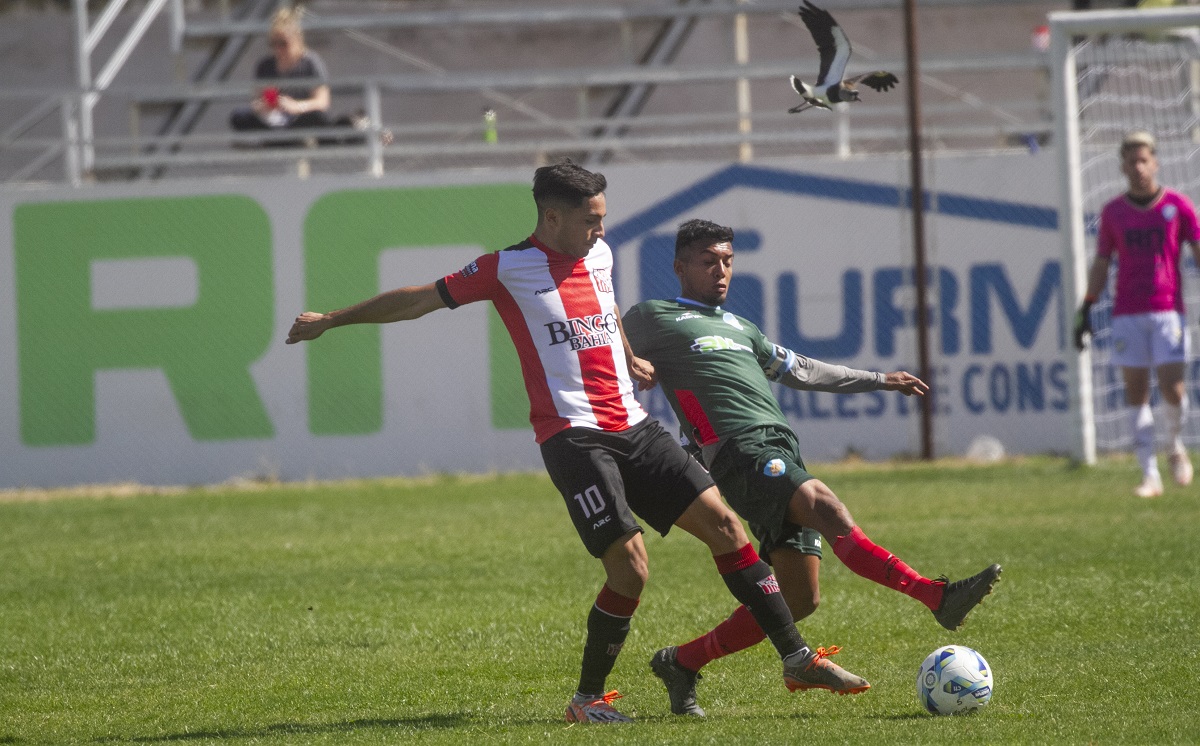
(680, 682)
(963, 595)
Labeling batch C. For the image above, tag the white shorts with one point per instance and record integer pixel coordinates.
(1148, 340)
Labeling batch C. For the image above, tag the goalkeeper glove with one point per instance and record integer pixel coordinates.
(1083, 324)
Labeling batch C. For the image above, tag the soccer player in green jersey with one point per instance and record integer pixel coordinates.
(716, 368)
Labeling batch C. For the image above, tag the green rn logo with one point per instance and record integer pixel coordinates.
(206, 342)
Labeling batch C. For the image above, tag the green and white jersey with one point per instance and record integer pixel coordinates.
(716, 367)
(710, 364)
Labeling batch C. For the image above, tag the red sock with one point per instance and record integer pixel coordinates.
(738, 632)
(614, 604)
(873, 562)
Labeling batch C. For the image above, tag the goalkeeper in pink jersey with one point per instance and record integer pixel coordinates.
(1144, 230)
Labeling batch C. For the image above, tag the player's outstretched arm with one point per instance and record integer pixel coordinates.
(904, 382)
(809, 374)
(400, 304)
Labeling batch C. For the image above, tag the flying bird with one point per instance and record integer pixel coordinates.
(835, 50)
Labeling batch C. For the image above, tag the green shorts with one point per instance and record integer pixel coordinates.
(758, 471)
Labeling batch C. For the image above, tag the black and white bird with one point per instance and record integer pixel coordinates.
(835, 50)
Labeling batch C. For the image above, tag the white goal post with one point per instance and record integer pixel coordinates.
(1115, 71)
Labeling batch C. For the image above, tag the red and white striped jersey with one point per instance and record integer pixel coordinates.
(561, 314)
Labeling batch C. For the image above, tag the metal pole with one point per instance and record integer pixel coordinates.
(83, 78)
(741, 54)
(71, 135)
(1071, 229)
(918, 226)
(375, 130)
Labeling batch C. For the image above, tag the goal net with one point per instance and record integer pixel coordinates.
(1116, 71)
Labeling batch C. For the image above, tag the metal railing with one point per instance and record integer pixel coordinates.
(85, 156)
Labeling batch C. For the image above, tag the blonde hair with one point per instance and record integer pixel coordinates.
(287, 21)
(1136, 139)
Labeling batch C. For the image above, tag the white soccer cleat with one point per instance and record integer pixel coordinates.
(598, 710)
(1151, 486)
(1181, 468)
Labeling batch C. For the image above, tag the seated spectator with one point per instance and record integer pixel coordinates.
(299, 105)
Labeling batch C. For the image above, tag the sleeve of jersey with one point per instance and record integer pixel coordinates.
(1191, 227)
(474, 282)
(807, 374)
(634, 324)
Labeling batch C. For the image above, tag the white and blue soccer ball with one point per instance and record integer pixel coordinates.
(954, 680)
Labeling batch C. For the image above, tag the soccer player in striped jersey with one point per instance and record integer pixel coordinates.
(716, 368)
(1144, 230)
(610, 461)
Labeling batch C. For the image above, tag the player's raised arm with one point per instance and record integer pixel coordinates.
(400, 304)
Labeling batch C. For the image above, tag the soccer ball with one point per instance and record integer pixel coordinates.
(954, 680)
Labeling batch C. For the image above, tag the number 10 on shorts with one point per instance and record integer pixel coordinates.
(590, 501)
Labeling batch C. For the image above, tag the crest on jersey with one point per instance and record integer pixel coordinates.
(775, 468)
(603, 279)
(1169, 212)
(730, 319)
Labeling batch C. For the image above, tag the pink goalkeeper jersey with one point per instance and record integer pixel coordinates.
(561, 314)
(1146, 242)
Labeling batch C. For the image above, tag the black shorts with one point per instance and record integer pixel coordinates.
(606, 478)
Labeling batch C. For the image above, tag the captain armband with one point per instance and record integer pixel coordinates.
(781, 362)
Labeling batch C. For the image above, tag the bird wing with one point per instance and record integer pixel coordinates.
(831, 41)
(800, 107)
(880, 80)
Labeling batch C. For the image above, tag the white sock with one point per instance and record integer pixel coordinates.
(1142, 419)
(1175, 418)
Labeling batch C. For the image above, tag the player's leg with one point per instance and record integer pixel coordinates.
(751, 581)
(1171, 350)
(798, 573)
(814, 504)
(666, 487)
(1133, 352)
(748, 578)
(626, 570)
(582, 466)
(1141, 422)
(1175, 408)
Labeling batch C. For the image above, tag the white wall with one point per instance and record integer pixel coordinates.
(816, 222)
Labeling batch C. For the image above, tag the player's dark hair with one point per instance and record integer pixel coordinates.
(700, 234)
(565, 184)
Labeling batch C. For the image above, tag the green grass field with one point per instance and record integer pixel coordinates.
(451, 610)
